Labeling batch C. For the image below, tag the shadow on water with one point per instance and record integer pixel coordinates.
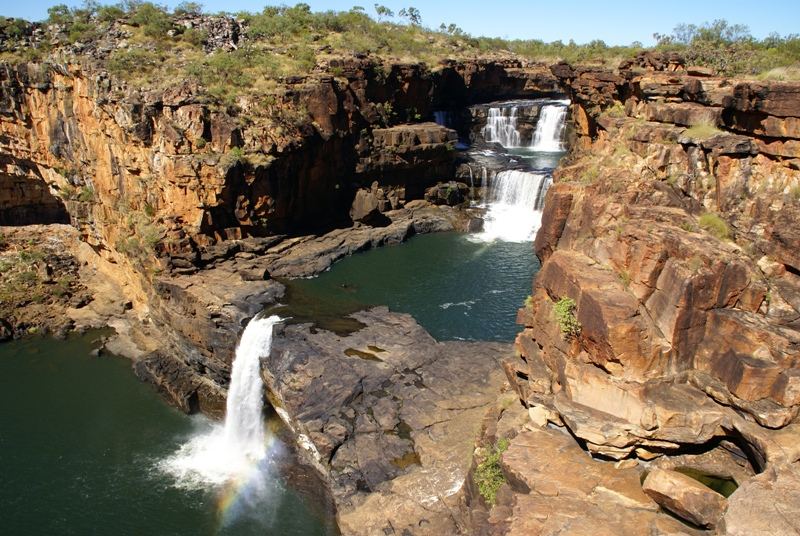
(304, 305)
(725, 486)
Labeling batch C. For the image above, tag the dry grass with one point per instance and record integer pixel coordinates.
(702, 131)
(781, 74)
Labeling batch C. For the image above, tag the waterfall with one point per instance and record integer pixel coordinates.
(515, 203)
(234, 450)
(442, 117)
(550, 128)
(501, 127)
(244, 421)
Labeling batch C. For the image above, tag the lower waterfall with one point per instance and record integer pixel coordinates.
(515, 201)
(234, 450)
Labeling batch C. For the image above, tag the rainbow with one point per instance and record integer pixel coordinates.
(254, 486)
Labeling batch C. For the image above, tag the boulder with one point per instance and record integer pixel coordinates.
(450, 193)
(558, 489)
(365, 206)
(780, 99)
(685, 497)
(766, 505)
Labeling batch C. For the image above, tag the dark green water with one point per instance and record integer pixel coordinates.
(80, 438)
(454, 287)
(725, 486)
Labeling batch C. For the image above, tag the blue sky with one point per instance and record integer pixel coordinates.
(615, 22)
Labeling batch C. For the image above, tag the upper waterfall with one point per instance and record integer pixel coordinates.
(501, 126)
(550, 128)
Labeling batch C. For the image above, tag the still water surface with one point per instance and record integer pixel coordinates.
(80, 443)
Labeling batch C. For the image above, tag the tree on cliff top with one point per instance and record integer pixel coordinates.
(730, 48)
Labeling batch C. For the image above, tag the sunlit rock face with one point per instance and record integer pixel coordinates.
(668, 229)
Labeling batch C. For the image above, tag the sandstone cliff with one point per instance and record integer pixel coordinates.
(190, 206)
(671, 228)
(669, 253)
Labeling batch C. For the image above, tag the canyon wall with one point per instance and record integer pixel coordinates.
(190, 206)
(666, 315)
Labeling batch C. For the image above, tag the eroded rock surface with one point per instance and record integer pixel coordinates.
(555, 488)
(766, 505)
(389, 414)
(685, 497)
(662, 327)
(663, 235)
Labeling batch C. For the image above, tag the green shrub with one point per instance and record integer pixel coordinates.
(625, 278)
(188, 8)
(617, 110)
(59, 14)
(153, 19)
(730, 49)
(529, 301)
(565, 315)
(194, 37)
(489, 475)
(227, 74)
(127, 63)
(13, 28)
(304, 55)
(110, 13)
(702, 131)
(86, 194)
(234, 157)
(82, 31)
(715, 225)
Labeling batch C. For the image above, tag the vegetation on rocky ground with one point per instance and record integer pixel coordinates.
(702, 131)
(715, 225)
(489, 475)
(149, 45)
(34, 273)
(730, 49)
(565, 315)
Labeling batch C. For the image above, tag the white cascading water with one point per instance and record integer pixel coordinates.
(231, 451)
(442, 117)
(550, 128)
(515, 203)
(501, 127)
(515, 198)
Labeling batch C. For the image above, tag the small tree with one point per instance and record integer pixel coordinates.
(383, 11)
(59, 14)
(189, 8)
(412, 14)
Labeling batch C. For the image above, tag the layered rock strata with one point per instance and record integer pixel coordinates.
(190, 207)
(664, 319)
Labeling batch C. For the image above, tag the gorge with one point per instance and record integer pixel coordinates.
(594, 316)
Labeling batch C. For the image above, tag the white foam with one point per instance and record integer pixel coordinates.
(233, 451)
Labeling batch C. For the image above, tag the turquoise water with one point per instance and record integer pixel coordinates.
(80, 438)
(453, 286)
